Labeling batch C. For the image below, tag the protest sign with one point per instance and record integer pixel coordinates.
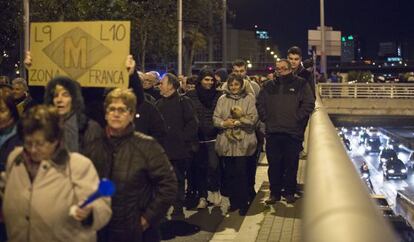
(92, 53)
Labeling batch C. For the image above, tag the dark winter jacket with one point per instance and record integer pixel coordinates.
(305, 74)
(206, 130)
(155, 93)
(145, 182)
(148, 119)
(284, 105)
(181, 123)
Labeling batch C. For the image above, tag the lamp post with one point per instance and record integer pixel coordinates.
(323, 41)
(180, 37)
(224, 44)
(26, 26)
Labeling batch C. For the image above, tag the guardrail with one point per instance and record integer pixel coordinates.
(337, 206)
(366, 90)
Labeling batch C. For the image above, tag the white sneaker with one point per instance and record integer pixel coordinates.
(216, 199)
(202, 203)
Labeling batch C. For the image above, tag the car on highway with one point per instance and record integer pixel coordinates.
(373, 132)
(394, 169)
(410, 161)
(373, 145)
(363, 136)
(386, 155)
(393, 144)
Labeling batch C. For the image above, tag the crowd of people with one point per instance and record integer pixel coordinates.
(166, 141)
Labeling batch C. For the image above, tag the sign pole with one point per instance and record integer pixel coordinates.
(180, 37)
(26, 23)
(323, 44)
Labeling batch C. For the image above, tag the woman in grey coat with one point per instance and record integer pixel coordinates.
(236, 115)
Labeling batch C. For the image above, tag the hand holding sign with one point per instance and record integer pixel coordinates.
(28, 60)
(130, 64)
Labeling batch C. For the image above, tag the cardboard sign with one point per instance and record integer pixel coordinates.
(92, 53)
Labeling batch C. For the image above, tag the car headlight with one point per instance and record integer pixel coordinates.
(391, 146)
(404, 170)
(381, 147)
(369, 148)
(391, 171)
(383, 160)
(400, 146)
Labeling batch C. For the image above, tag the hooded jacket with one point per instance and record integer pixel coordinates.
(245, 99)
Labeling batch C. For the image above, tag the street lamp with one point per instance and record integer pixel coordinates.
(26, 22)
(180, 36)
(224, 50)
(272, 52)
(268, 48)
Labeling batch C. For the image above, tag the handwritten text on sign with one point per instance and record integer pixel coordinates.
(93, 53)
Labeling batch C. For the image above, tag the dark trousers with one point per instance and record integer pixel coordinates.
(206, 170)
(180, 168)
(235, 179)
(251, 168)
(152, 234)
(282, 152)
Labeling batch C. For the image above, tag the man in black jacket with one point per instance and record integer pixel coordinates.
(181, 132)
(284, 105)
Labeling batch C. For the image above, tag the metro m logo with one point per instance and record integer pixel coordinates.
(75, 54)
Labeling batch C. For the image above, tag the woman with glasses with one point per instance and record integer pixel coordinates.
(65, 94)
(44, 182)
(145, 181)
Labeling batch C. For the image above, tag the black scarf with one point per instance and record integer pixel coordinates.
(206, 96)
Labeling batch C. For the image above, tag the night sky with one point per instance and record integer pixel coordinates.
(289, 20)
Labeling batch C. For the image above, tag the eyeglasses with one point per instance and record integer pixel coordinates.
(283, 68)
(120, 110)
(36, 144)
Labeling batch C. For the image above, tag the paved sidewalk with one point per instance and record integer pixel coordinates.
(279, 222)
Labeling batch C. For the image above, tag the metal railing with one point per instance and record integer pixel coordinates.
(366, 90)
(337, 206)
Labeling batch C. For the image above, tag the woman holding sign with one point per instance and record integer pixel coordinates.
(44, 180)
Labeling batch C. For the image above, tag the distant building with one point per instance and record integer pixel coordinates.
(351, 48)
(390, 49)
